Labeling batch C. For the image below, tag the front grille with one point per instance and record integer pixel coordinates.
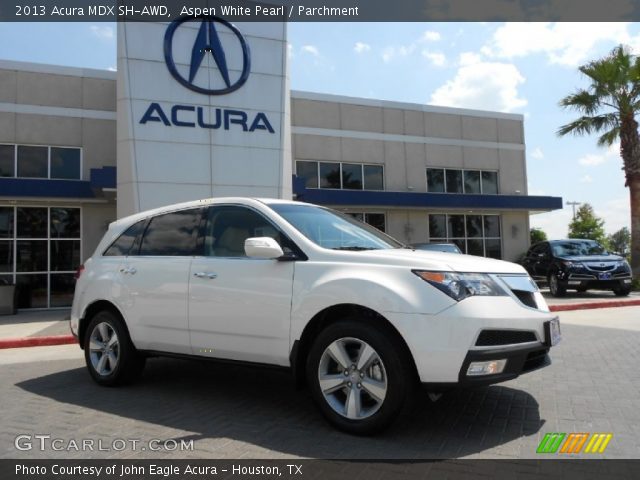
(535, 359)
(489, 338)
(596, 267)
(526, 297)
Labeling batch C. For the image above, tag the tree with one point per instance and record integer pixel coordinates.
(609, 106)
(537, 235)
(620, 241)
(587, 225)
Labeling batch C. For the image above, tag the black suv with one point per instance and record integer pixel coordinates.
(577, 264)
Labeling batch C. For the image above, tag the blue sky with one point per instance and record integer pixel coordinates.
(518, 68)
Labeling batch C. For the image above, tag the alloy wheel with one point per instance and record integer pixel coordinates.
(104, 348)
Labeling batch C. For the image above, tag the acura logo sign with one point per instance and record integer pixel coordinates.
(207, 42)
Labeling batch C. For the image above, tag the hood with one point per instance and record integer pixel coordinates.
(592, 258)
(432, 260)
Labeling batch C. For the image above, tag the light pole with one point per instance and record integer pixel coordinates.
(573, 206)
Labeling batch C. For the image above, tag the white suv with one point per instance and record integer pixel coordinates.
(354, 314)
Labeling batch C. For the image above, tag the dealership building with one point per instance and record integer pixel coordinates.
(203, 108)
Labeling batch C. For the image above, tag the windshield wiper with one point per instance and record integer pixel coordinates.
(354, 248)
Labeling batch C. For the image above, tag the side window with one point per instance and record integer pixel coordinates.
(172, 234)
(122, 245)
(228, 227)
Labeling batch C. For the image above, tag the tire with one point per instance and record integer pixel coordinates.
(109, 354)
(622, 291)
(581, 290)
(365, 400)
(555, 287)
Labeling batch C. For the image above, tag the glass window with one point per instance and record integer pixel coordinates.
(32, 223)
(352, 176)
(373, 177)
(65, 255)
(31, 256)
(376, 220)
(65, 223)
(493, 248)
(32, 291)
(454, 181)
(6, 222)
(437, 226)
(62, 287)
(471, 181)
(461, 243)
(65, 163)
(474, 226)
(490, 183)
(456, 226)
(308, 171)
(7, 160)
(329, 175)
(474, 247)
(32, 162)
(435, 180)
(228, 227)
(172, 234)
(492, 225)
(122, 246)
(6, 256)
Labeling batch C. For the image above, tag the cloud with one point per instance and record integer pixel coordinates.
(290, 52)
(595, 159)
(586, 179)
(112, 69)
(391, 52)
(437, 59)
(311, 50)
(482, 85)
(431, 36)
(361, 47)
(564, 43)
(102, 32)
(555, 224)
(537, 153)
(469, 58)
(616, 213)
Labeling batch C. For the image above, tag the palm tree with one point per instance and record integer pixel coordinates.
(608, 107)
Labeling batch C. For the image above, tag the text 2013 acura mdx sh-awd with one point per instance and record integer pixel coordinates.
(356, 315)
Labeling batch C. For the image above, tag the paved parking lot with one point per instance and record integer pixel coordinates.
(235, 412)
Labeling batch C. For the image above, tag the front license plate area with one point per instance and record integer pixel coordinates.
(604, 276)
(552, 332)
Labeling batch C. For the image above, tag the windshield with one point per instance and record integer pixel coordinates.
(331, 229)
(578, 248)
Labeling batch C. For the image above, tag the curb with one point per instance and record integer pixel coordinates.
(37, 341)
(592, 305)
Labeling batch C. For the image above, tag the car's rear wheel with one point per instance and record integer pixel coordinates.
(622, 291)
(109, 354)
(555, 287)
(359, 377)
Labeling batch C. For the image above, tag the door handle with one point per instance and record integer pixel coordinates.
(129, 270)
(209, 275)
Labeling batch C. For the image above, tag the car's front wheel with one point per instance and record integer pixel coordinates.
(555, 287)
(622, 291)
(109, 354)
(359, 377)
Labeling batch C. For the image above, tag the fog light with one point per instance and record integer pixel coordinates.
(486, 368)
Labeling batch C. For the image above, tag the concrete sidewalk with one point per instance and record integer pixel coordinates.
(588, 300)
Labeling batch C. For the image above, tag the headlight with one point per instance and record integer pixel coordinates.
(574, 265)
(462, 285)
(623, 264)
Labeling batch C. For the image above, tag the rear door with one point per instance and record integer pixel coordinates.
(154, 279)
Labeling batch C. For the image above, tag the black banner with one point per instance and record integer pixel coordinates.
(317, 469)
(322, 10)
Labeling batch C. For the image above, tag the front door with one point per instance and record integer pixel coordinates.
(239, 307)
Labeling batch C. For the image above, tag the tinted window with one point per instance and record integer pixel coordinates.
(352, 176)
(471, 181)
(456, 226)
(228, 227)
(490, 182)
(123, 244)
(308, 171)
(376, 220)
(32, 223)
(32, 162)
(474, 226)
(329, 175)
(492, 225)
(437, 226)
(6, 222)
(7, 160)
(65, 163)
(65, 223)
(435, 180)
(172, 234)
(373, 177)
(454, 181)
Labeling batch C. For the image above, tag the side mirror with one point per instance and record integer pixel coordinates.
(262, 247)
